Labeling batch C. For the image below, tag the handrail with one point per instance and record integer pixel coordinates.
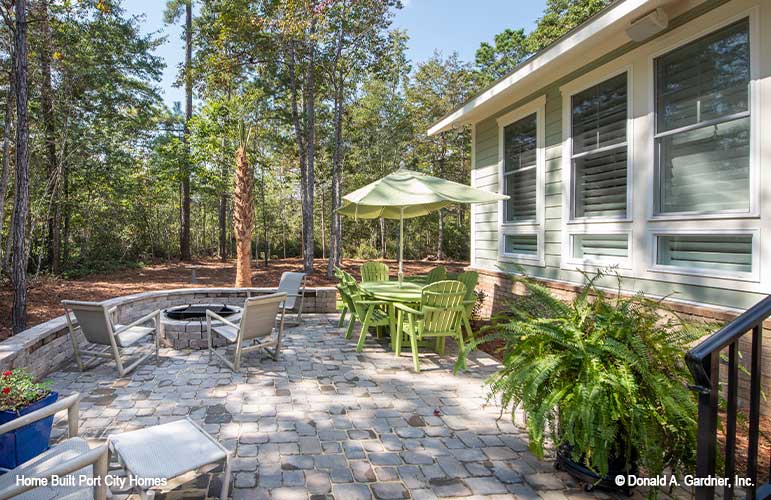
(704, 362)
(749, 319)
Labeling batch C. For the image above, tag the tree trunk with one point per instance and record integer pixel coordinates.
(243, 223)
(222, 224)
(7, 125)
(184, 238)
(21, 202)
(53, 240)
(264, 215)
(308, 176)
(335, 230)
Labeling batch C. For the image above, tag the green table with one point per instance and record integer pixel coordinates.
(392, 292)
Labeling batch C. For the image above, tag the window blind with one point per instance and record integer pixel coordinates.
(703, 124)
(599, 149)
(709, 252)
(600, 246)
(520, 162)
(521, 244)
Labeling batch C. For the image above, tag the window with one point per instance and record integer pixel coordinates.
(597, 247)
(599, 150)
(731, 253)
(520, 162)
(703, 124)
(521, 244)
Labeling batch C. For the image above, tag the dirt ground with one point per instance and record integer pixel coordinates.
(46, 294)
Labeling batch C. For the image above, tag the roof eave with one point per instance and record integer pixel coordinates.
(562, 48)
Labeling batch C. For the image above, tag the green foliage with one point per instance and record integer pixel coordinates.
(599, 371)
(511, 47)
(18, 389)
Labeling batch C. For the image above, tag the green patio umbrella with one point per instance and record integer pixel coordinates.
(405, 194)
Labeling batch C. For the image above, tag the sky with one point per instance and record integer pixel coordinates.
(444, 25)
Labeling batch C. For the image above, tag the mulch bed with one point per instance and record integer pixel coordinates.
(46, 293)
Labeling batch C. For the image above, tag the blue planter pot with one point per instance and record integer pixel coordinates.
(29, 441)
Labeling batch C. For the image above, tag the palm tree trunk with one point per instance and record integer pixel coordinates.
(243, 223)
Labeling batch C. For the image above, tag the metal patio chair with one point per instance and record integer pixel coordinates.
(94, 321)
(257, 326)
(293, 285)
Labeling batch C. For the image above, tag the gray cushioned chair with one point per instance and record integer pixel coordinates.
(293, 285)
(256, 328)
(97, 327)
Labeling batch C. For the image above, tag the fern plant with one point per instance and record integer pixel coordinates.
(600, 376)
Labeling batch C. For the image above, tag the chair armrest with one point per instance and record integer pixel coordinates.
(70, 403)
(68, 467)
(143, 319)
(213, 315)
(408, 309)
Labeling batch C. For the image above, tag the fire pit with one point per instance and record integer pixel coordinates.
(184, 327)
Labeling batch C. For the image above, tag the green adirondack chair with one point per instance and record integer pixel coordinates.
(374, 271)
(470, 280)
(438, 273)
(439, 315)
(367, 312)
(344, 278)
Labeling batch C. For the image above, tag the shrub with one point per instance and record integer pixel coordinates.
(18, 389)
(602, 375)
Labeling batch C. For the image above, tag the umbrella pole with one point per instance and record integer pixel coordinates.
(401, 246)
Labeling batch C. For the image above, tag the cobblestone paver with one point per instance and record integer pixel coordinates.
(327, 422)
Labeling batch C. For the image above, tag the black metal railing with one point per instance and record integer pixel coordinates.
(704, 363)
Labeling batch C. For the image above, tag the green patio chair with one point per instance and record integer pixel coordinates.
(344, 278)
(470, 280)
(367, 312)
(438, 273)
(374, 271)
(439, 315)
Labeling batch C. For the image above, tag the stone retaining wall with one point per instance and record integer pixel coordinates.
(47, 347)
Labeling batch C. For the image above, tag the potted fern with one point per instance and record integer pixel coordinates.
(602, 378)
(20, 395)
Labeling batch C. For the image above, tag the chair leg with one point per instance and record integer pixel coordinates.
(364, 327)
(469, 331)
(226, 478)
(75, 349)
(398, 335)
(351, 324)
(415, 357)
(341, 321)
(208, 336)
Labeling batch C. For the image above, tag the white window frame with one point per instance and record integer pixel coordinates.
(754, 276)
(755, 110)
(535, 227)
(568, 91)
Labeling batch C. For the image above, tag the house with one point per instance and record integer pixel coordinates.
(639, 140)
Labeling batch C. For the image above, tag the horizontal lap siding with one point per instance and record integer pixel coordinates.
(486, 234)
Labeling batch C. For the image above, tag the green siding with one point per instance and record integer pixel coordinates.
(486, 177)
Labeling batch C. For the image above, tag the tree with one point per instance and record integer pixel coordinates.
(173, 12)
(21, 197)
(243, 222)
(496, 61)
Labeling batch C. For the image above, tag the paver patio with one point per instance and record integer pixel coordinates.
(327, 422)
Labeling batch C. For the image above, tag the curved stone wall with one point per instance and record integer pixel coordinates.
(47, 347)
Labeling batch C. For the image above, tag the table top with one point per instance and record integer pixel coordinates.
(166, 450)
(392, 291)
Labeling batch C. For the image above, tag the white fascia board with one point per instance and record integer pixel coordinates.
(561, 49)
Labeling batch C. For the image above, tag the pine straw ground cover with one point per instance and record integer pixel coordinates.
(46, 293)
